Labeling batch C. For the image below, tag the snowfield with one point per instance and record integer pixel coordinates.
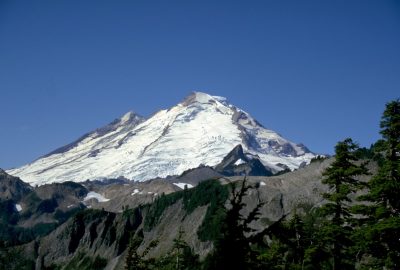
(95, 195)
(240, 162)
(18, 207)
(200, 130)
(182, 185)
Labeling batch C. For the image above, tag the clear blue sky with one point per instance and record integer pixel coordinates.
(314, 71)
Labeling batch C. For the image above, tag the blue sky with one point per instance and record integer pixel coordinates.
(314, 71)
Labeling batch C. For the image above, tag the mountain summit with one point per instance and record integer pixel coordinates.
(202, 129)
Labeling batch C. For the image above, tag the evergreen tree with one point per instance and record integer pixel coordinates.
(287, 246)
(297, 239)
(178, 249)
(293, 244)
(341, 179)
(233, 249)
(381, 232)
(385, 187)
(134, 261)
(181, 256)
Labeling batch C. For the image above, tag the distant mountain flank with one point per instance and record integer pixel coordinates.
(201, 130)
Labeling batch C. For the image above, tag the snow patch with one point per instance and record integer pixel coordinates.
(135, 191)
(182, 185)
(125, 118)
(220, 99)
(249, 156)
(95, 195)
(239, 162)
(202, 97)
(262, 184)
(18, 207)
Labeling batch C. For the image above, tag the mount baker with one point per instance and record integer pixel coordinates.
(201, 130)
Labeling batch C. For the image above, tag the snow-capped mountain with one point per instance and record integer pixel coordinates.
(202, 129)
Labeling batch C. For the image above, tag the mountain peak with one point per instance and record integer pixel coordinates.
(127, 116)
(202, 129)
(201, 97)
(130, 116)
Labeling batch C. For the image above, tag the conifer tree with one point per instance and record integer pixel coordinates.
(182, 254)
(382, 229)
(134, 261)
(287, 246)
(385, 187)
(233, 249)
(341, 179)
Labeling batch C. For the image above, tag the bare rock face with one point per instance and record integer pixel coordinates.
(197, 175)
(238, 163)
(89, 234)
(12, 188)
(127, 195)
(301, 190)
(27, 212)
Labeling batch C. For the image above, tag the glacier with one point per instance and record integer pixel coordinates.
(200, 130)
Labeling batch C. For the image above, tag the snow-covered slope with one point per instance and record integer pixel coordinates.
(200, 130)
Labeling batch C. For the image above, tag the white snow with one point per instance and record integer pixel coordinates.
(95, 195)
(262, 184)
(203, 97)
(182, 185)
(239, 162)
(18, 207)
(126, 117)
(168, 143)
(220, 99)
(135, 191)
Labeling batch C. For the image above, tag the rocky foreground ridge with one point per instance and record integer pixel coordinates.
(72, 222)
